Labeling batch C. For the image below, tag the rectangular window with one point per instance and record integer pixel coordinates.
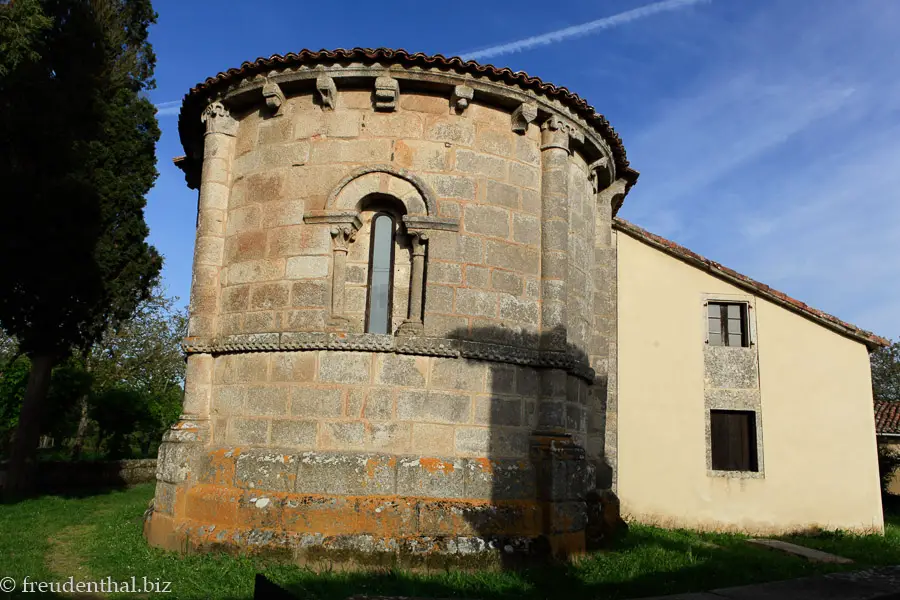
(733, 440)
(728, 324)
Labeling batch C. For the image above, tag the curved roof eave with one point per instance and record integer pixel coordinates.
(191, 104)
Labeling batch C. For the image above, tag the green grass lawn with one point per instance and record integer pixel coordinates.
(95, 537)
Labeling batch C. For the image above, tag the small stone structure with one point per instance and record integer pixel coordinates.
(63, 475)
(446, 393)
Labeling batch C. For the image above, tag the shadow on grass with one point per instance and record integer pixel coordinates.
(72, 479)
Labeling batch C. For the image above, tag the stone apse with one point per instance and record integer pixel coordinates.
(402, 323)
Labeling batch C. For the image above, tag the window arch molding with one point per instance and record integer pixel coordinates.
(413, 203)
(410, 189)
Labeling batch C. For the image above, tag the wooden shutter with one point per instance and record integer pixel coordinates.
(733, 440)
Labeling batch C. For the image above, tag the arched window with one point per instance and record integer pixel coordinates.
(381, 274)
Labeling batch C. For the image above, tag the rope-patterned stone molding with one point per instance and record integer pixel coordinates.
(370, 342)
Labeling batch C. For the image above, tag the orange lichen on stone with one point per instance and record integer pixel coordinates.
(328, 515)
(221, 464)
(387, 515)
(486, 464)
(260, 509)
(435, 465)
(212, 504)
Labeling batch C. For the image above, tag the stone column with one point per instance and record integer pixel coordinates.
(193, 428)
(554, 232)
(602, 439)
(554, 269)
(215, 187)
(413, 324)
(342, 236)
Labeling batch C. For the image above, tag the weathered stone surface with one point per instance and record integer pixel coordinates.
(404, 371)
(498, 411)
(349, 474)
(265, 469)
(307, 267)
(431, 477)
(476, 302)
(734, 368)
(299, 435)
(248, 431)
(266, 400)
(499, 479)
(492, 441)
(433, 407)
(446, 129)
(458, 374)
(344, 367)
(486, 220)
(310, 402)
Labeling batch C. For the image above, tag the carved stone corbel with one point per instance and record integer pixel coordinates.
(387, 93)
(600, 173)
(327, 91)
(522, 116)
(218, 119)
(274, 97)
(614, 194)
(460, 98)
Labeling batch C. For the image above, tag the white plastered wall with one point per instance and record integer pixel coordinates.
(817, 420)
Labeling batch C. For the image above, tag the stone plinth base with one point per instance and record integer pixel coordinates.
(362, 509)
(351, 551)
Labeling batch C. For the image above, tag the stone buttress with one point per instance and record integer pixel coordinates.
(442, 390)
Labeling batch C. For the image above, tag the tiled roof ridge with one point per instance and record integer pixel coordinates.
(887, 417)
(870, 339)
(401, 56)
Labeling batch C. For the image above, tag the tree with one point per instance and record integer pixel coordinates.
(138, 373)
(886, 373)
(77, 160)
(21, 24)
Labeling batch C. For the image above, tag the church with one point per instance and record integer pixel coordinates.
(420, 331)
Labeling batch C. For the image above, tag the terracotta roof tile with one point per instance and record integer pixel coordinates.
(192, 106)
(887, 417)
(869, 339)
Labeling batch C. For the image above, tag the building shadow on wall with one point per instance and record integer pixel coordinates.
(537, 465)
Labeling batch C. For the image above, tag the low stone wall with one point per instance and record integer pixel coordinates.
(109, 473)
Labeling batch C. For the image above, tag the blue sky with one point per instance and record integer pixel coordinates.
(767, 132)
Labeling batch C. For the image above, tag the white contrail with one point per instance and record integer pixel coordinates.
(168, 108)
(584, 28)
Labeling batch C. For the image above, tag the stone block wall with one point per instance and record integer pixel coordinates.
(276, 268)
(375, 402)
(463, 430)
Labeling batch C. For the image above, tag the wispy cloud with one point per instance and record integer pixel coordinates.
(778, 158)
(574, 31)
(168, 108)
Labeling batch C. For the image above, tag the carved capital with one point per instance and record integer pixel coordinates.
(522, 116)
(274, 97)
(460, 98)
(418, 239)
(387, 93)
(327, 91)
(343, 236)
(218, 120)
(556, 131)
